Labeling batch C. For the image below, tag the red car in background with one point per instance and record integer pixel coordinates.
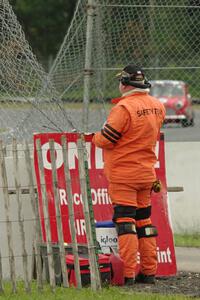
(176, 99)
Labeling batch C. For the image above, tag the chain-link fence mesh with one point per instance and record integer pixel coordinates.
(104, 36)
(28, 102)
(161, 36)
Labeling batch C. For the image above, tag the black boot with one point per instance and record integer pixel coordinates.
(142, 278)
(128, 281)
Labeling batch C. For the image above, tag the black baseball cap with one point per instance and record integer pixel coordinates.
(135, 72)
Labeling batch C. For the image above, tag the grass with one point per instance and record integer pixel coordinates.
(76, 105)
(108, 293)
(111, 293)
(66, 105)
(187, 240)
(2, 130)
(196, 106)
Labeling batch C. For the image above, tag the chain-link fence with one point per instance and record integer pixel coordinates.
(28, 102)
(161, 36)
(104, 36)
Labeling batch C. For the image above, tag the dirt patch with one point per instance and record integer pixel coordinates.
(185, 283)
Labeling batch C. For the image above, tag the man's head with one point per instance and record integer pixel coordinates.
(132, 76)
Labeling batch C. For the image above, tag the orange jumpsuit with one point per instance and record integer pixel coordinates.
(128, 139)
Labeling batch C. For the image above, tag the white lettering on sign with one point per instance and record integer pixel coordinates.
(99, 158)
(63, 197)
(77, 199)
(88, 148)
(80, 227)
(99, 196)
(157, 164)
(164, 256)
(58, 155)
(73, 155)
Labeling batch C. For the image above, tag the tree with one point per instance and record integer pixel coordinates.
(45, 24)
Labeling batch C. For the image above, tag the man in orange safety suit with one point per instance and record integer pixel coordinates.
(128, 139)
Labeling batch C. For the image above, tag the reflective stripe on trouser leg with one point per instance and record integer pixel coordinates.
(147, 249)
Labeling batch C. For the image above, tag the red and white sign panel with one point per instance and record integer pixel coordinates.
(99, 189)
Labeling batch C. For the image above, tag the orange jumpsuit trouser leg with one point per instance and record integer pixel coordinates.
(147, 248)
(128, 247)
(146, 234)
(124, 218)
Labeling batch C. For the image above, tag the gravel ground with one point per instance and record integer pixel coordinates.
(184, 283)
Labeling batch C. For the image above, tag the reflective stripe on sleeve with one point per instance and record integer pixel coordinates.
(108, 137)
(113, 130)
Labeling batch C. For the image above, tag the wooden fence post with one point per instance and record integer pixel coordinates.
(35, 209)
(8, 223)
(71, 211)
(46, 216)
(94, 270)
(20, 217)
(58, 214)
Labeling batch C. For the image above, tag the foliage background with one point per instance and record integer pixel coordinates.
(45, 23)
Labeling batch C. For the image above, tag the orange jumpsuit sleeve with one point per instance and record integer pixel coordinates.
(116, 124)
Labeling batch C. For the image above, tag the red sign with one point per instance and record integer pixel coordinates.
(99, 190)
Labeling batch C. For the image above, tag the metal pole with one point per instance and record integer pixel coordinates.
(100, 62)
(88, 63)
(152, 43)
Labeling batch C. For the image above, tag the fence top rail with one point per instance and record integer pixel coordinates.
(148, 5)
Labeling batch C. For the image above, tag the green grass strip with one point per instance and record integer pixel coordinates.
(187, 240)
(110, 293)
